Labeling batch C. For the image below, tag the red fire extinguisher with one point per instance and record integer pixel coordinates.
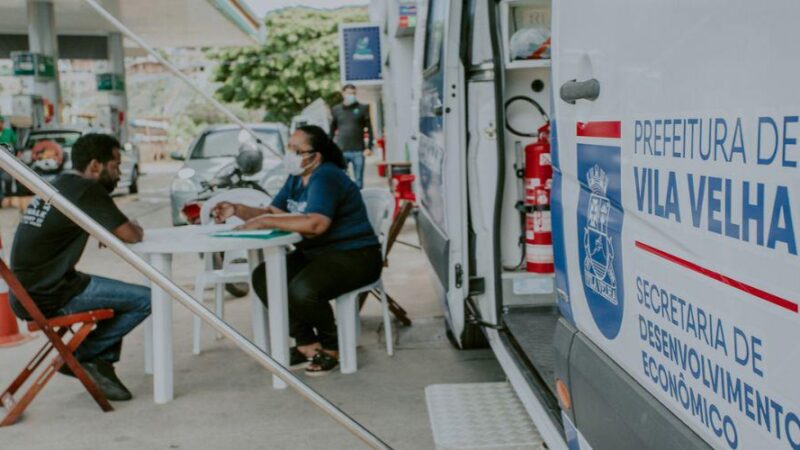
(538, 181)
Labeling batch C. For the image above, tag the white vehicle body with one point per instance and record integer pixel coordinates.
(672, 318)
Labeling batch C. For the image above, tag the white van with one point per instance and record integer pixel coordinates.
(671, 321)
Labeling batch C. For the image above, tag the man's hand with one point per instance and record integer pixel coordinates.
(223, 211)
(367, 152)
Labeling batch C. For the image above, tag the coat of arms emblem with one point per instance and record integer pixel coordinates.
(598, 264)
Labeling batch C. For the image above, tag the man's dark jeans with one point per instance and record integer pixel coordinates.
(131, 305)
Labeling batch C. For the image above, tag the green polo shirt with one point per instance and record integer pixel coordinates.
(7, 136)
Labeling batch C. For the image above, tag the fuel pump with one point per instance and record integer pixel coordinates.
(537, 176)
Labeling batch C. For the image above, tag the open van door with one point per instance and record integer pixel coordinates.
(442, 220)
(680, 194)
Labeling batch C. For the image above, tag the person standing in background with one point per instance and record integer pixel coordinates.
(9, 138)
(7, 135)
(350, 118)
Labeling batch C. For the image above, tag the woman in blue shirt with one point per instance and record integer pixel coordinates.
(340, 252)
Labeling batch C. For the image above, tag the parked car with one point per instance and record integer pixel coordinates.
(214, 151)
(64, 139)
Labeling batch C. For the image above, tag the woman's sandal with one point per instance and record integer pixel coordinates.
(297, 360)
(322, 364)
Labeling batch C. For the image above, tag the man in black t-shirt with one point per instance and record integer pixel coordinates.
(350, 119)
(48, 245)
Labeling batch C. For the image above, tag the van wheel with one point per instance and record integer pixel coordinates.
(134, 187)
(471, 338)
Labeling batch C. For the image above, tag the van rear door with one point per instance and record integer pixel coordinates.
(678, 157)
(442, 159)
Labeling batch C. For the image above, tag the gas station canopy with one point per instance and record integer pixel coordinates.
(162, 23)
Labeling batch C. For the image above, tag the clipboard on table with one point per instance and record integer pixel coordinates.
(250, 234)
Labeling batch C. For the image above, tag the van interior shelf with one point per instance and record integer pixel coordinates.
(528, 64)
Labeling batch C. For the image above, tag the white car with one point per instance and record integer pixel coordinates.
(213, 151)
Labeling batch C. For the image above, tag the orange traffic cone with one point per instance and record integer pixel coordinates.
(9, 328)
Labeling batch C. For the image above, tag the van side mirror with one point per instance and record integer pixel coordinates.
(177, 156)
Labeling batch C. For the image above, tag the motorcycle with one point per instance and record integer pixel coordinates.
(248, 162)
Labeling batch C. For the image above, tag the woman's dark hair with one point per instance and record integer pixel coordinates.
(91, 146)
(324, 145)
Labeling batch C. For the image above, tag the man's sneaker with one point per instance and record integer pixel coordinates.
(65, 370)
(103, 374)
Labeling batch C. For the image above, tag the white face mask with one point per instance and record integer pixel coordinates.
(293, 163)
(349, 99)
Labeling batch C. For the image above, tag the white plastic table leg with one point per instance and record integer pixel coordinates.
(162, 333)
(277, 297)
(219, 303)
(197, 323)
(258, 313)
(148, 345)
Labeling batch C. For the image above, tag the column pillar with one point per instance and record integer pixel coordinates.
(118, 98)
(42, 38)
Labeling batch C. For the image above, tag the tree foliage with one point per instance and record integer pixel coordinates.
(298, 63)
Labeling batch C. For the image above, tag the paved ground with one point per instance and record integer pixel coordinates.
(223, 398)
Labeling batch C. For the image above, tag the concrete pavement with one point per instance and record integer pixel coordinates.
(223, 398)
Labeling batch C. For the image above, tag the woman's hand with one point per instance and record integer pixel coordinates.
(223, 211)
(256, 223)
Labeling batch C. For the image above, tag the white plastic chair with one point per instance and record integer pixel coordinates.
(230, 272)
(379, 203)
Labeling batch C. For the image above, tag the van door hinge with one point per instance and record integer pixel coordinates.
(459, 276)
(477, 286)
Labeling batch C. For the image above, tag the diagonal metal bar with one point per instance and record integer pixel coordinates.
(48, 193)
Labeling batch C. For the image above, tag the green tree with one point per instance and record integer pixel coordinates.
(298, 63)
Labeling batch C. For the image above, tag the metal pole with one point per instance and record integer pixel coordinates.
(37, 185)
(134, 37)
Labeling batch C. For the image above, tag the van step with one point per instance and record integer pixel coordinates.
(479, 416)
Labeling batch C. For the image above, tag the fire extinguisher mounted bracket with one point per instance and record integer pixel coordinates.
(534, 206)
(522, 98)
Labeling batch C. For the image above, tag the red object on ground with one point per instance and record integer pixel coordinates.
(191, 211)
(403, 187)
(382, 166)
(538, 181)
(9, 328)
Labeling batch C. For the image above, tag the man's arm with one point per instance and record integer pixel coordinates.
(368, 126)
(334, 123)
(129, 232)
(99, 205)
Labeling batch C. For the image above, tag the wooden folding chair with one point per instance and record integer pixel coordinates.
(54, 329)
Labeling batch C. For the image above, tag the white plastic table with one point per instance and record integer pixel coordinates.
(158, 247)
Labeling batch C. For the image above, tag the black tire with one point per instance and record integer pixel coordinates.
(134, 187)
(471, 338)
(237, 290)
